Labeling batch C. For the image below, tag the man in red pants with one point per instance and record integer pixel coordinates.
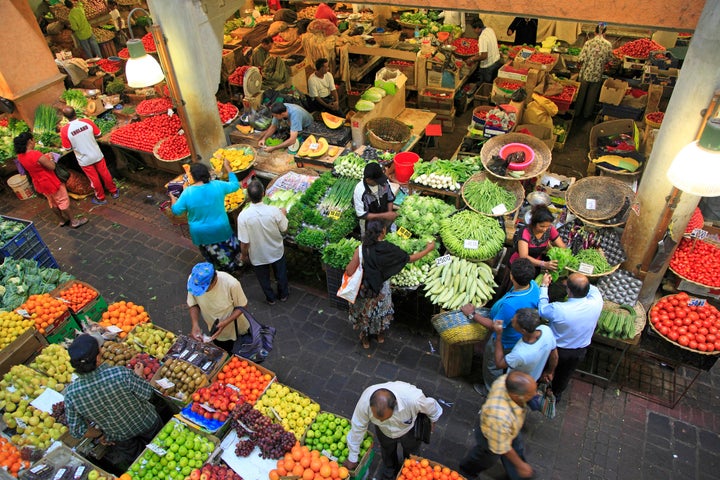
(80, 134)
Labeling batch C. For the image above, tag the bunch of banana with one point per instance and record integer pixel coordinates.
(457, 282)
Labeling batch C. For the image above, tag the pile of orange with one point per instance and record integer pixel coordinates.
(415, 469)
(78, 295)
(10, 457)
(246, 376)
(308, 465)
(124, 315)
(44, 310)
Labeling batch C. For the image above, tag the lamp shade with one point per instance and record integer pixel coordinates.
(696, 168)
(141, 69)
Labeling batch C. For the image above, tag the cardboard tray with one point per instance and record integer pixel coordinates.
(189, 350)
(62, 456)
(178, 401)
(23, 348)
(262, 369)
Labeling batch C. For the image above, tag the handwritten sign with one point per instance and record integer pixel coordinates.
(404, 232)
(696, 302)
(440, 261)
(590, 204)
(586, 268)
(499, 209)
(699, 233)
(471, 244)
(114, 329)
(334, 214)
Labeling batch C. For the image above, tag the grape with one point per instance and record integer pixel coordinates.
(271, 438)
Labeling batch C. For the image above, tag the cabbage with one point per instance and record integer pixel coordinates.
(374, 97)
(364, 106)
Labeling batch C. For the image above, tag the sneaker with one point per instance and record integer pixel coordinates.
(96, 201)
(116, 195)
(480, 388)
(284, 299)
(270, 302)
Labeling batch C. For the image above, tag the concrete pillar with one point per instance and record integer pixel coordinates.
(698, 80)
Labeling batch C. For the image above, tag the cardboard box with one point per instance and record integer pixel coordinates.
(443, 78)
(613, 91)
(513, 73)
(441, 100)
(23, 348)
(522, 62)
(657, 76)
(540, 132)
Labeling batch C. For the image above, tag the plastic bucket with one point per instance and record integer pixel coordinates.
(405, 165)
(21, 186)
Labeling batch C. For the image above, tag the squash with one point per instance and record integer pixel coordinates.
(322, 148)
(244, 129)
(333, 150)
(331, 121)
(305, 147)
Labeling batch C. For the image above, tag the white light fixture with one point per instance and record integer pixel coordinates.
(141, 69)
(696, 168)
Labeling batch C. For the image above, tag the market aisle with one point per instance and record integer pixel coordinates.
(130, 251)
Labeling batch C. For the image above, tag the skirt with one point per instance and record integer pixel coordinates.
(222, 255)
(372, 314)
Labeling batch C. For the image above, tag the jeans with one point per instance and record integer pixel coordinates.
(481, 458)
(90, 47)
(487, 74)
(389, 446)
(279, 268)
(568, 360)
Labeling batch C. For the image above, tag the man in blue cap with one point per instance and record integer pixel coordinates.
(216, 297)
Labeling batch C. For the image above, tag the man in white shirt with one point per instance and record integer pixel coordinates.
(488, 56)
(260, 229)
(321, 88)
(572, 322)
(393, 408)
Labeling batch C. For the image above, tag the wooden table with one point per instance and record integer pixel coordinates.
(419, 119)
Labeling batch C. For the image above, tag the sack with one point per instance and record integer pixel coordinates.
(540, 111)
(350, 286)
(547, 400)
(257, 343)
(62, 173)
(422, 428)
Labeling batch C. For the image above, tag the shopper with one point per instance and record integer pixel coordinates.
(261, 52)
(82, 30)
(524, 29)
(286, 113)
(322, 91)
(524, 293)
(593, 57)
(41, 169)
(393, 408)
(535, 353)
(488, 57)
(204, 204)
(79, 134)
(115, 399)
(572, 322)
(372, 311)
(373, 197)
(260, 230)
(533, 241)
(214, 296)
(499, 434)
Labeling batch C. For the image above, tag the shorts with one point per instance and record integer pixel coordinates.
(59, 199)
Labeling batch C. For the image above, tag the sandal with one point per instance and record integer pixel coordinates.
(381, 337)
(80, 223)
(365, 342)
(64, 224)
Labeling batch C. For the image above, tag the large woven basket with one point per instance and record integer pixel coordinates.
(609, 195)
(454, 327)
(667, 339)
(640, 320)
(386, 39)
(543, 156)
(387, 133)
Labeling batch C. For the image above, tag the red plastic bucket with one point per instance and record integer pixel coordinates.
(405, 165)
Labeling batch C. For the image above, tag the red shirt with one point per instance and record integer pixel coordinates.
(44, 180)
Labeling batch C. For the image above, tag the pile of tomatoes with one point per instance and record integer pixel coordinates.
(174, 147)
(692, 326)
(144, 135)
(697, 261)
(228, 111)
(639, 48)
(466, 46)
(543, 58)
(154, 106)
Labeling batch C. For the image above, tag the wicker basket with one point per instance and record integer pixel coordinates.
(640, 321)
(592, 276)
(386, 133)
(156, 151)
(609, 195)
(543, 156)
(386, 39)
(514, 187)
(652, 327)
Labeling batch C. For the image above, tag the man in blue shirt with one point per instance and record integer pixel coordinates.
(298, 118)
(572, 322)
(523, 294)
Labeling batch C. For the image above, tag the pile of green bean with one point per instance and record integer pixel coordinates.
(485, 195)
(591, 256)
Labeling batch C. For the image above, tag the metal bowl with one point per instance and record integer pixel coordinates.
(536, 198)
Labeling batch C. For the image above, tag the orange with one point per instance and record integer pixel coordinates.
(289, 464)
(315, 464)
(274, 475)
(305, 461)
(424, 463)
(324, 460)
(298, 470)
(325, 470)
(343, 473)
(308, 474)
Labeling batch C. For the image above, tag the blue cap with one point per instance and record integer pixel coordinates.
(200, 278)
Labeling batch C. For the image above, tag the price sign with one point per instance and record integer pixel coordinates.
(499, 209)
(114, 329)
(329, 455)
(156, 449)
(22, 312)
(590, 204)
(206, 366)
(699, 233)
(208, 407)
(170, 112)
(165, 383)
(184, 354)
(440, 261)
(192, 357)
(314, 146)
(696, 302)
(20, 423)
(334, 214)
(404, 232)
(471, 244)
(586, 268)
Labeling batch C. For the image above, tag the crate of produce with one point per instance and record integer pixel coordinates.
(176, 380)
(405, 67)
(252, 379)
(151, 339)
(64, 463)
(633, 63)
(25, 243)
(211, 406)
(206, 356)
(439, 100)
(329, 429)
(288, 407)
(48, 312)
(565, 99)
(63, 330)
(84, 301)
(23, 348)
(426, 468)
(555, 185)
(663, 59)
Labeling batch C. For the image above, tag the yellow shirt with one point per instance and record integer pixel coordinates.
(501, 418)
(219, 302)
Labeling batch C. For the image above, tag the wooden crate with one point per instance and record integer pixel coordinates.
(23, 348)
(457, 358)
(440, 100)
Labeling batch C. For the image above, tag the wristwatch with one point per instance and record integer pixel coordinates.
(471, 316)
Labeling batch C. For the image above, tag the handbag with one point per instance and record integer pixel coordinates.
(350, 286)
(257, 343)
(62, 173)
(422, 428)
(546, 400)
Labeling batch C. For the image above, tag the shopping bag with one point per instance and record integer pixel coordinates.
(422, 428)
(350, 286)
(257, 343)
(547, 400)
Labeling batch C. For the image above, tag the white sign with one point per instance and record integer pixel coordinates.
(699, 233)
(471, 244)
(165, 383)
(113, 329)
(440, 261)
(590, 204)
(499, 209)
(158, 450)
(586, 268)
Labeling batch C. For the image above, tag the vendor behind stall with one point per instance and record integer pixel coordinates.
(533, 241)
(261, 52)
(524, 29)
(373, 198)
(593, 57)
(321, 87)
(297, 117)
(488, 57)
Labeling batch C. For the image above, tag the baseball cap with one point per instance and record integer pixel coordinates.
(84, 349)
(200, 278)
(375, 172)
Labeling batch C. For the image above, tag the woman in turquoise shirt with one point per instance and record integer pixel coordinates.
(204, 203)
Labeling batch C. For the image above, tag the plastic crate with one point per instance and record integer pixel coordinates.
(63, 330)
(622, 111)
(437, 99)
(334, 280)
(28, 244)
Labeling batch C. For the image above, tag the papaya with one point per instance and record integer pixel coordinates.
(305, 147)
(331, 121)
(333, 150)
(322, 148)
(244, 129)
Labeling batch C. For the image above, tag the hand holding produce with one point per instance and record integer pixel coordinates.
(682, 322)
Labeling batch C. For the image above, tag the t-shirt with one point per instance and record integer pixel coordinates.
(79, 135)
(219, 302)
(505, 308)
(298, 117)
(45, 181)
(365, 201)
(261, 226)
(487, 42)
(532, 357)
(321, 87)
(536, 246)
(79, 23)
(205, 207)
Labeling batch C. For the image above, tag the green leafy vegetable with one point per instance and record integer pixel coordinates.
(339, 254)
(421, 215)
(564, 257)
(75, 99)
(22, 278)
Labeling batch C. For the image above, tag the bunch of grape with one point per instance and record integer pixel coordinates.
(271, 438)
(58, 413)
(244, 448)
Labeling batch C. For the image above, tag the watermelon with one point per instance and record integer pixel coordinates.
(364, 106)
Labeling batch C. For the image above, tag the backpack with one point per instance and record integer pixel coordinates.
(257, 343)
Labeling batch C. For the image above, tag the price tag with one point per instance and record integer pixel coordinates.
(114, 329)
(590, 204)
(20, 423)
(233, 387)
(184, 354)
(22, 312)
(586, 268)
(170, 112)
(334, 214)
(207, 366)
(192, 357)
(499, 209)
(79, 472)
(60, 474)
(696, 302)
(158, 450)
(208, 407)
(274, 412)
(165, 383)
(699, 233)
(471, 244)
(329, 455)
(440, 261)
(404, 232)
(314, 146)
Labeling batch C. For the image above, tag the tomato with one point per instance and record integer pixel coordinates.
(693, 344)
(673, 335)
(703, 330)
(682, 330)
(710, 347)
(702, 347)
(664, 330)
(678, 322)
(700, 338)
(683, 340)
(693, 328)
(710, 338)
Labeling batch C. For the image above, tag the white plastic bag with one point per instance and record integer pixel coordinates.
(350, 286)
